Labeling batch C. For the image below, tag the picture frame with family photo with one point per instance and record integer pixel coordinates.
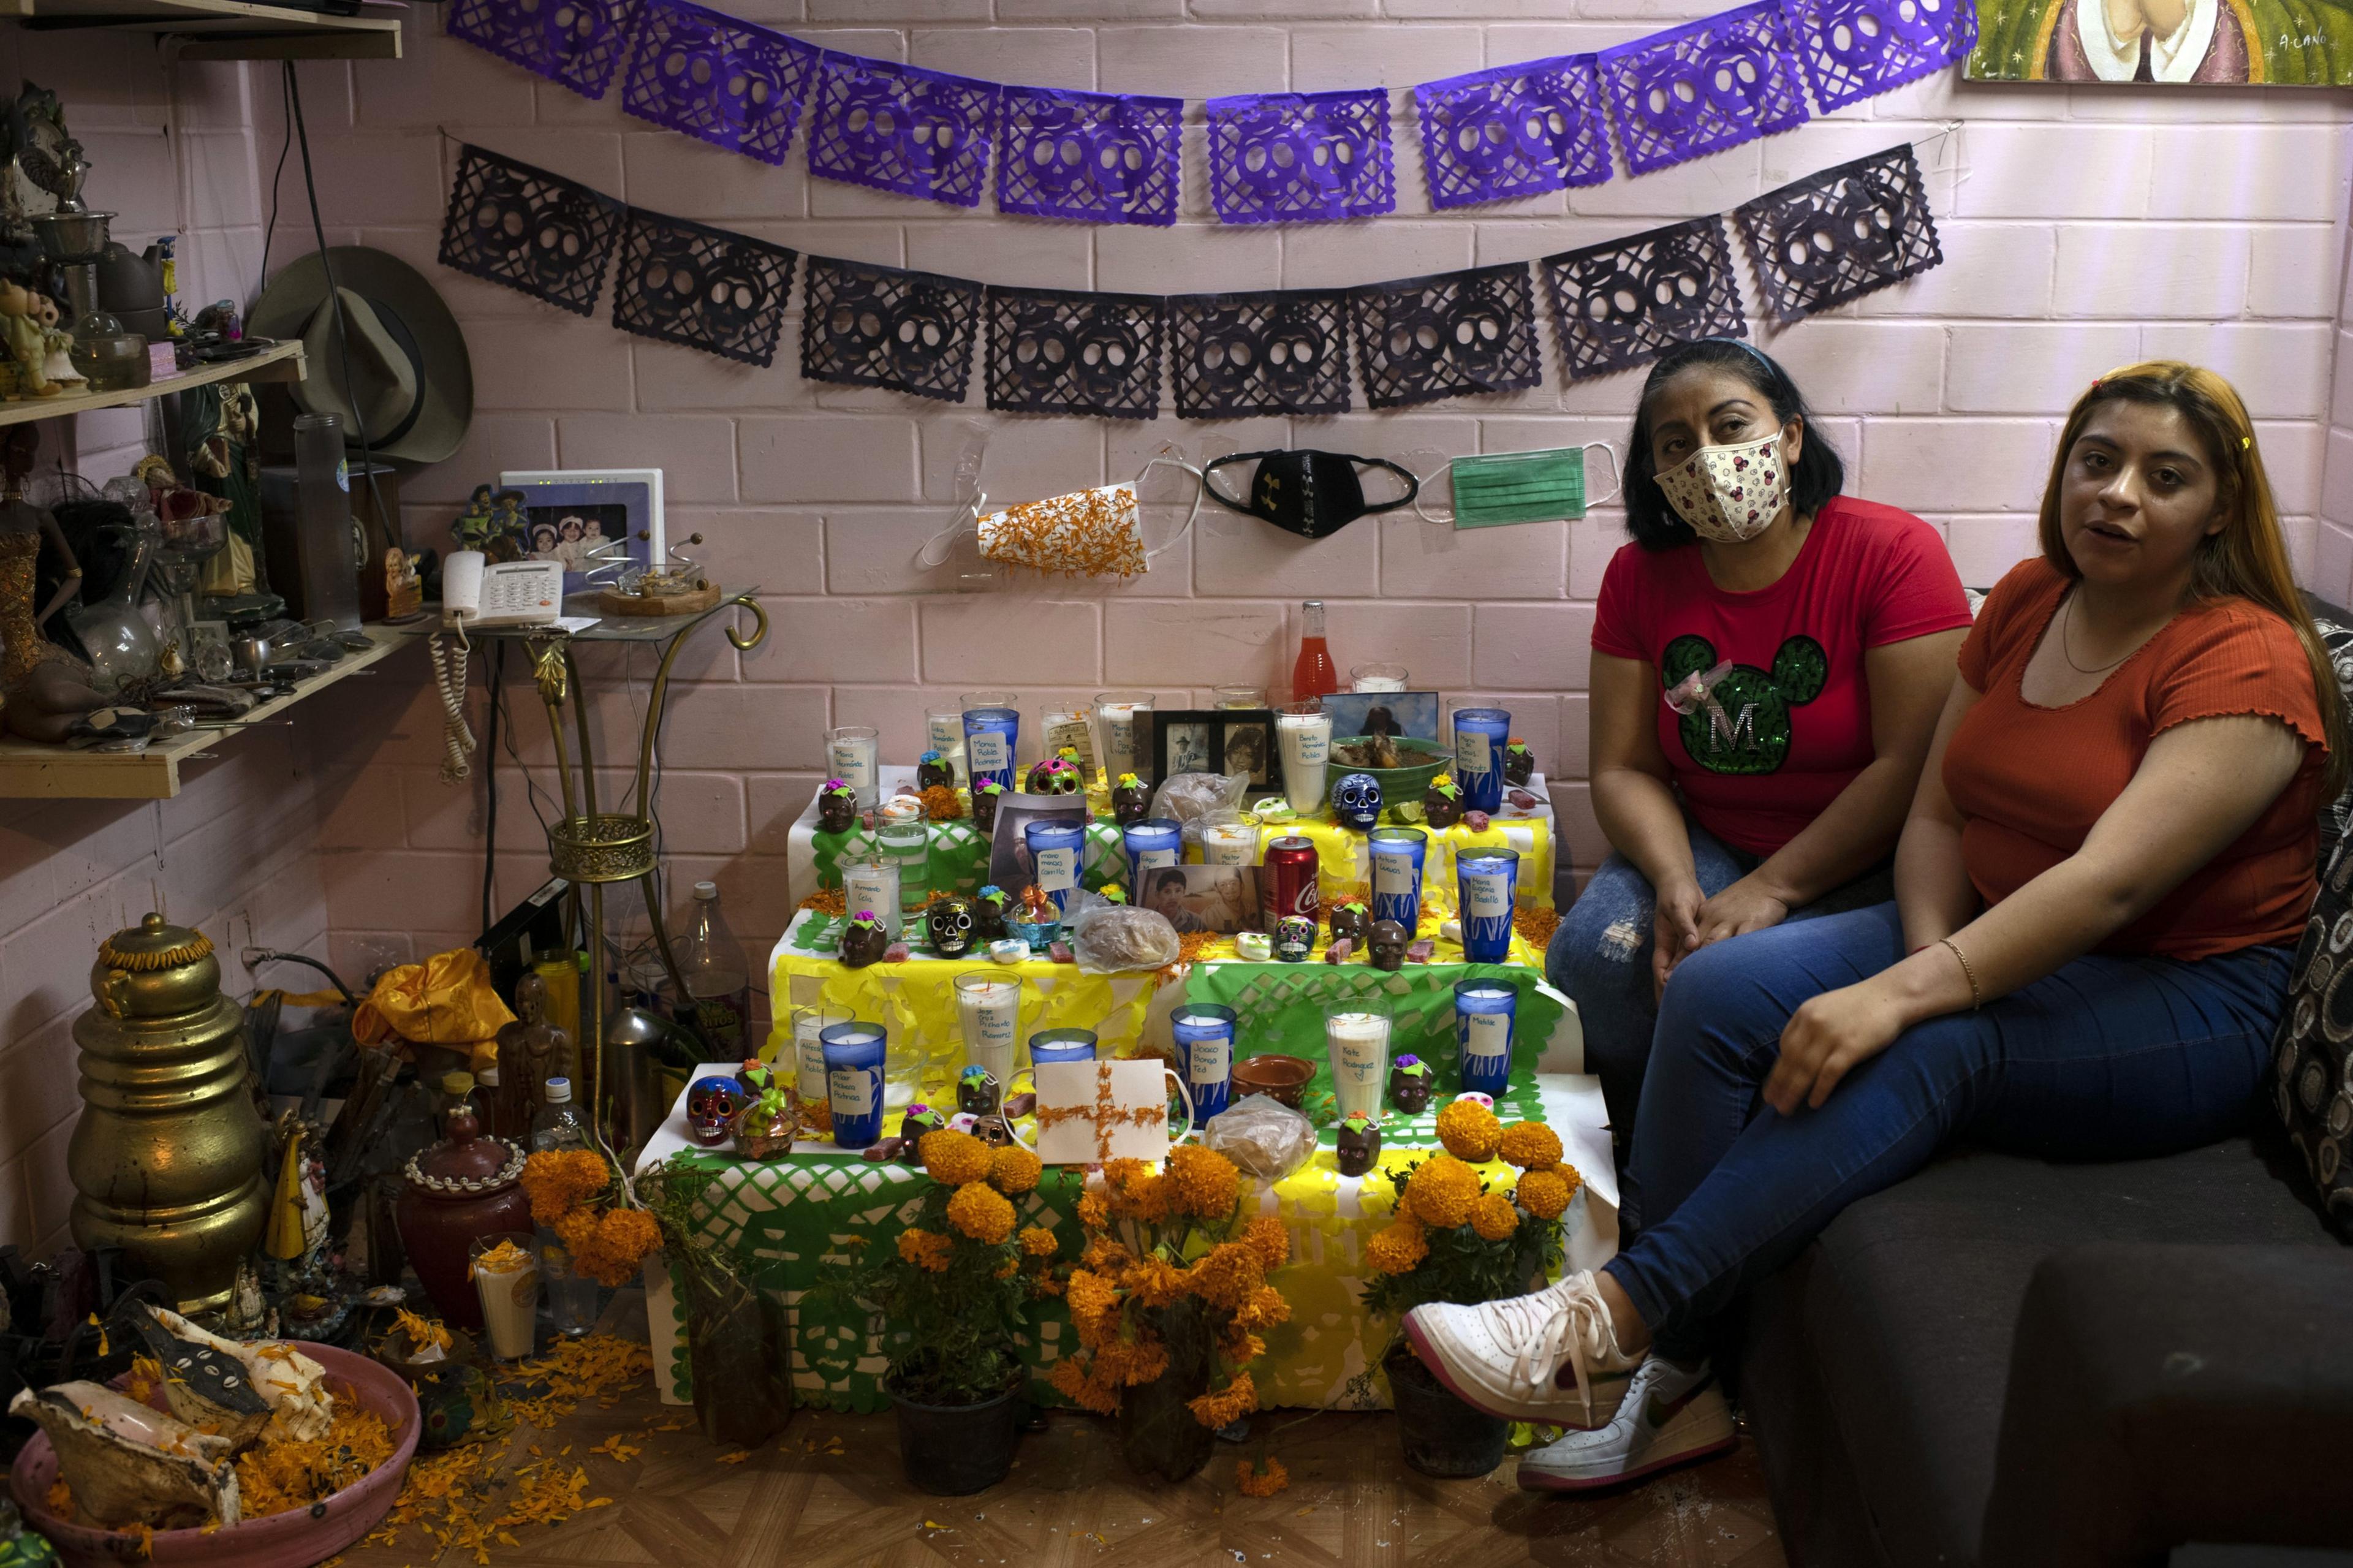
(569, 512)
(1220, 899)
(1216, 740)
(1412, 715)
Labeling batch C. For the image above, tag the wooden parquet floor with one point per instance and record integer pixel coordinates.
(828, 1493)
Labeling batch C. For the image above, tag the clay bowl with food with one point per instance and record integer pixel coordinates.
(1283, 1078)
(294, 1539)
(1417, 762)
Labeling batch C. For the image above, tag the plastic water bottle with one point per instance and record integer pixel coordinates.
(571, 1298)
(718, 1002)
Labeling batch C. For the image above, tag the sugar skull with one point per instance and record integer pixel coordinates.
(837, 807)
(988, 915)
(1359, 1143)
(913, 1122)
(1357, 800)
(710, 1107)
(1131, 800)
(1294, 938)
(976, 1091)
(1475, 1097)
(864, 939)
(985, 798)
(1351, 920)
(950, 921)
(931, 769)
(1388, 944)
(1442, 803)
(1410, 1081)
(1055, 775)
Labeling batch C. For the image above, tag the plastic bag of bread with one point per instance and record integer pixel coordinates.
(1109, 938)
(1262, 1136)
(1194, 799)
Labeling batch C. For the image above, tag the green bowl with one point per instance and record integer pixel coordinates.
(1398, 785)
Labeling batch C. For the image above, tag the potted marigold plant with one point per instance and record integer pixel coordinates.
(739, 1341)
(1169, 1301)
(1457, 1238)
(948, 1298)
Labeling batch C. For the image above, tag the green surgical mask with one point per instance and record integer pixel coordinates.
(1494, 488)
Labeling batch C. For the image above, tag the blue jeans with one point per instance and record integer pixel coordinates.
(1599, 958)
(2108, 1058)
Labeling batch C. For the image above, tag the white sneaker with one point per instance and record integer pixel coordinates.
(1671, 1415)
(1506, 1358)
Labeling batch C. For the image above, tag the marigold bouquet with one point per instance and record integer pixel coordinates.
(576, 1193)
(1171, 1295)
(954, 1289)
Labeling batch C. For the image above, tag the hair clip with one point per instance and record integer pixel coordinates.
(2245, 442)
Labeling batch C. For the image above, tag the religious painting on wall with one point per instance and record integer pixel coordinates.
(2198, 43)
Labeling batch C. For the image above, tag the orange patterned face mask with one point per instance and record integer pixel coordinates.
(1087, 534)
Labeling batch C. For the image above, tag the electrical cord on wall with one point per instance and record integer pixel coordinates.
(493, 676)
(278, 175)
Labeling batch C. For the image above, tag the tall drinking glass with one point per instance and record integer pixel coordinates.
(852, 751)
(1377, 677)
(1483, 1011)
(809, 1025)
(1123, 723)
(990, 735)
(1480, 735)
(1230, 844)
(1356, 1044)
(1396, 874)
(1486, 881)
(1205, 1050)
(1048, 1045)
(1058, 851)
(854, 1076)
(908, 847)
(1304, 731)
(944, 733)
(991, 1008)
(1154, 842)
(871, 887)
(1239, 695)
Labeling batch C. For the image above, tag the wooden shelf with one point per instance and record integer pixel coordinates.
(32, 771)
(224, 29)
(283, 363)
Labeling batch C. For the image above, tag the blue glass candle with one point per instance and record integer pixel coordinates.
(1396, 874)
(1205, 1050)
(1058, 850)
(853, 1081)
(1483, 1011)
(989, 736)
(1486, 881)
(1480, 735)
(1048, 1045)
(1154, 842)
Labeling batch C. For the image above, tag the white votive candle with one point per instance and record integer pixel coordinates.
(1357, 1046)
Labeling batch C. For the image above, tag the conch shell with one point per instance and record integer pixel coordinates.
(198, 1366)
(129, 1464)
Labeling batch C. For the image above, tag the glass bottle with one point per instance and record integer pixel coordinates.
(1313, 674)
(718, 1002)
(494, 1110)
(570, 1298)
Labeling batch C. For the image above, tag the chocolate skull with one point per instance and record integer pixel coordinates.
(837, 807)
(1388, 944)
(1351, 921)
(913, 1122)
(1131, 800)
(950, 921)
(976, 1091)
(1359, 1143)
(984, 805)
(1357, 800)
(988, 915)
(1519, 763)
(710, 1107)
(1410, 1081)
(1442, 803)
(864, 941)
(932, 768)
(1294, 938)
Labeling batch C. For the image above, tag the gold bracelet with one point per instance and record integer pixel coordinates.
(1977, 997)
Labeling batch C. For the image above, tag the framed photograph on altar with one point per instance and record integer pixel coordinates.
(1410, 714)
(1009, 865)
(1221, 898)
(1216, 740)
(588, 518)
(1246, 746)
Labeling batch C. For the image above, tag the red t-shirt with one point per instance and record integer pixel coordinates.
(1790, 726)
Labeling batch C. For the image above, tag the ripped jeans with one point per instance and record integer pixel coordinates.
(1601, 958)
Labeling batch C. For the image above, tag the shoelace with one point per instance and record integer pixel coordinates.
(1565, 1323)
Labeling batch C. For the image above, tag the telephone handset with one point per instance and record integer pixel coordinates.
(475, 593)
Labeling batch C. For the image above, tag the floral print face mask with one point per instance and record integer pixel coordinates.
(1729, 494)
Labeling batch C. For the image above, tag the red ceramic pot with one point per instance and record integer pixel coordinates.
(465, 1187)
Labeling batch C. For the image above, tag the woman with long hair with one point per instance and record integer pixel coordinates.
(2098, 892)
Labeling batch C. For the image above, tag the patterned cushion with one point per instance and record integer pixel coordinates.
(2313, 1052)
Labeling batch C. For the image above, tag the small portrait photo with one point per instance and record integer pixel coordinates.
(1407, 715)
(1221, 898)
(1186, 741)
(1248, 746)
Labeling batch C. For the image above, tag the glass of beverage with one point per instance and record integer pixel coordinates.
(1058, 851)
(1050, 1046)
(871, 886)
(1124, 725)
(990, 735)
(1377, 677)
(1205, 1053)
(505, 1269)
(1396, 854)
(809, 1025)
(1486, 882)
(1238, 696)
(991, 1008)
(1154, 842)
(572, 1299)
(1480, 736)
(1483, 1010)
(944, 730)
(853, 1074)
(1229, 843)
(1356, 1044)
(851, 751)
(908, 846)
(1305, 732)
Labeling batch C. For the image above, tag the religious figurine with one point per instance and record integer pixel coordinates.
(1410, 1081)
(44, 688)
(1131, 800)
(1057, 775)
(28, 349)
(1294, 938)
(1442, 803)
(988, 908)
(530, 1051)
(931, 769)
(473, 526)
(864, 939)
(710, 1107)
(1388, 943)
(949, 920)
(1359, 1143)
(226, 459)
(1351, 921)
(977, 1091)
(1357, 800)
(984, 804)
(1519, 762)
(837, 807)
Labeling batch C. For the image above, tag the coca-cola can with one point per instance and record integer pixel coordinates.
(1286, 881)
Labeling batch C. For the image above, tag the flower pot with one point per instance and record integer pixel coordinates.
(739, 1349)
(953, 1450)
(1158, 1434)
(1441, 1436)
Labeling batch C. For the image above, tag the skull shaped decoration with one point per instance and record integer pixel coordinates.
(951, 921)
(1294, 938)
(1389, 943)
(710, 1107)
(1357, 799)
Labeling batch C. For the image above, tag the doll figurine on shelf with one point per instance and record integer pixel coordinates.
(59, 342)
(1131, 800)
(473, 526)
(27, 348)
(531, 1050)
(837, 807)
(45, 689)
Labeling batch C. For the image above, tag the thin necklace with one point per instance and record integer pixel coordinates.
(2067, 654)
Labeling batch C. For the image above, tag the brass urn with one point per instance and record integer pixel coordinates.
(167, 1158)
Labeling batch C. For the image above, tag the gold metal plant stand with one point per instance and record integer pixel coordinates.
(592, 848)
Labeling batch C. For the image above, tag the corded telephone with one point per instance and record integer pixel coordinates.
(475, 593)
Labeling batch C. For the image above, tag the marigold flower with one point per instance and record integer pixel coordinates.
(925, 1249)
(1530, 1145)
(1155, 1281)
(1396, 1248)
(558, 1181)
(624, 1239)
(1543, 1194)
(1441, 1192)
(1271, 1239)
(980, 1210)
(1037, 1241)
(1264, 1482)
(1072, 1381)
(1204, 1182)
(1137, 1191)
(1242, 1346)
(1095, 1306)
(1222, 1408)
(1469, 1131)
(1094, 1211)
(957, 1159)
(1493, 1217)
(1226, 1274)
(577, 1231)
(1013, 1170)
(1265, 1309)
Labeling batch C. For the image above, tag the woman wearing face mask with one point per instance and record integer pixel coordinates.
(2098, 894)
(1769, 657)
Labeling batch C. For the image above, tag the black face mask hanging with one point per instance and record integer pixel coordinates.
(1309, 493)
